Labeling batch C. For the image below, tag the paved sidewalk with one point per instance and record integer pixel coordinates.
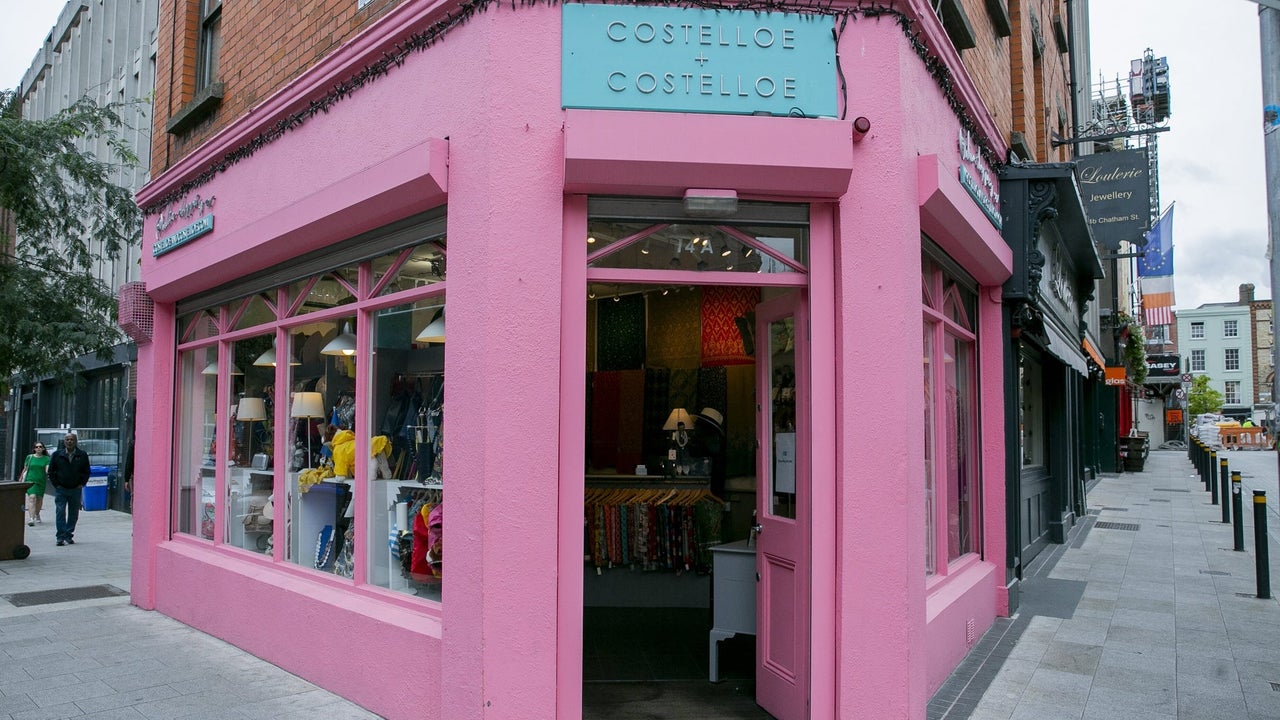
(1147, 613)
(104, 659)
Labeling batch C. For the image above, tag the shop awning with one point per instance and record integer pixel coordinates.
(1066, 349)
(1093, 352)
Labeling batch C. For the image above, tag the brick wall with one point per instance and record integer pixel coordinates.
(989, 66)
(1040, 87)
(265, 44)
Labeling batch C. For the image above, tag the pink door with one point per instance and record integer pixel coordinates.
(782, 508)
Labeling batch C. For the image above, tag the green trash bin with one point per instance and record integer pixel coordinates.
(1135, 449)
(13, 521)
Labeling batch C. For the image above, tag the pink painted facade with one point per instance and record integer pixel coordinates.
(474, 122)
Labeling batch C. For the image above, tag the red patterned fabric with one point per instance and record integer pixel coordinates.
(721, 339)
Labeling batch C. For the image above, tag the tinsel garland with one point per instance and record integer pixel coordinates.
(424, 39)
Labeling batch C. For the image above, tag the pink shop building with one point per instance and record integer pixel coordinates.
(690, 262)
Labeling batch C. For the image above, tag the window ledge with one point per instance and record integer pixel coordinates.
(200, 107)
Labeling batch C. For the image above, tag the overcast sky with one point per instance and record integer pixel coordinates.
(1211, 161)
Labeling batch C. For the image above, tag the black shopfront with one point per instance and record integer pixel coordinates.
(1055, 269)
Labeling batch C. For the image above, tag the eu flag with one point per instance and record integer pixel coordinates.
(1157, 259)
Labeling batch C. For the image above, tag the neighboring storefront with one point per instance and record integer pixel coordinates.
(1046, 368)
(686, 324)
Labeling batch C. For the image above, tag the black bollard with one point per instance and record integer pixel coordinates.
(1209, 467)
(1226, 493)
(1260, 543)
(1213, 486)
(1237, 510)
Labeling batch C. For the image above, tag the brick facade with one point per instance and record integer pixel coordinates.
(264, 46)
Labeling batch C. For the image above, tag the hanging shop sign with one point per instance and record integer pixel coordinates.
(1164, 369)
(185, 235)
(1115, 188)
(978, 180)
(628, 57)
(1115, 376)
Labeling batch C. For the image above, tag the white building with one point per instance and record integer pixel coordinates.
(1216, 339)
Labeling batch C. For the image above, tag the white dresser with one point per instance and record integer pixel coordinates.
(733, 583)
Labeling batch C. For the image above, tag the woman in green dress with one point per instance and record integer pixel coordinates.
(35, 471)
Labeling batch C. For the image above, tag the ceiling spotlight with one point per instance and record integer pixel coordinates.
(617, 298)
(728, 267)
(748, 252)
(591, 294)
(726, 252)
(591, 239)
(665, 291)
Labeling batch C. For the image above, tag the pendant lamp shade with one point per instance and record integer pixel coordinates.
(344, 344)
(434, 331)
(212, 369)
(268, 358)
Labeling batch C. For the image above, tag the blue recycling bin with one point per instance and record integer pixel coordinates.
(95, 492)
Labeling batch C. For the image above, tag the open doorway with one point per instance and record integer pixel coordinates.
(694, 443)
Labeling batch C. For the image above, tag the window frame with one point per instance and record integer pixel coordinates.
(944, 288)
(1197, 330)
(1197, 358)
(1231, 392)
(225, 307)
(1230, 357)
(208, 43)
(1230, 328)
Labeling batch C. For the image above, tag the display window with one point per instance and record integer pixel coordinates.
(282, 448)
(194, 488)
(952, 491)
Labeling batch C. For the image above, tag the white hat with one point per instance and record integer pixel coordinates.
(712, 417)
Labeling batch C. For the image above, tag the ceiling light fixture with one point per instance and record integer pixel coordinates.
(434, 331)
(344, 344)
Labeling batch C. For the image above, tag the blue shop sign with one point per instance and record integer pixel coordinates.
(169, 242)
(627, 57)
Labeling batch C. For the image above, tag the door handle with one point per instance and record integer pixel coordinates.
(757, 529)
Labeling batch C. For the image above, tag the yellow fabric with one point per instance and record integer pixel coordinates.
(344, 453)
(379, 444)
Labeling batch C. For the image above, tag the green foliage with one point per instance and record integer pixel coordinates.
(1135, 349)
(69, 215)
(1202, 398)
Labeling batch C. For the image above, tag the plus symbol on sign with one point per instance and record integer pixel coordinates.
(701, 59)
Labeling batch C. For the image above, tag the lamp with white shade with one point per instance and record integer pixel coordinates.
(307, 405)
(251, 410)
(678, 424)
(212, 369)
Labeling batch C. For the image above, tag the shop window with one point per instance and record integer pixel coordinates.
(411, 268)
(324, 292)
(950, 392)
(199, 325)
(1231, 359)
(296, 501)
(1230, 328)
(406, 477)
(1031, 420)
(1231, 393)
(323, 426)
(250, 481)
(195, 435)
(700, 247)
(930, 504)
(1197, 360)
(253, 311)
(1197, 330)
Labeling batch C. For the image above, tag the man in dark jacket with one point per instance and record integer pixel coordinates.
(68, 474)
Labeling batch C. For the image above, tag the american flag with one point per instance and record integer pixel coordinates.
(1162, 315)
